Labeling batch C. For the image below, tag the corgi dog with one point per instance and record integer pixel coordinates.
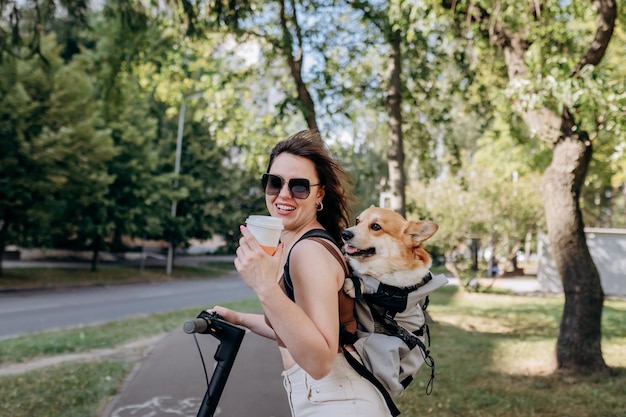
(387, 247)
(389, 282)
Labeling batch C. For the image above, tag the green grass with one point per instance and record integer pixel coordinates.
(494, 357)
(70, 390)
(79, 389)
(106, 274)
(109, 335)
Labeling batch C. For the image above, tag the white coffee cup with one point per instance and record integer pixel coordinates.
(266, 229)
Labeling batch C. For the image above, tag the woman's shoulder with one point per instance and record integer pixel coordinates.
(318, 232)
(317, 247)
(315, 238)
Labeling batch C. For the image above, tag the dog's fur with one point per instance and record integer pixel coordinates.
(387, 247)
(391, 268)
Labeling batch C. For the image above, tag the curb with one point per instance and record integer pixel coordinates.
(145, 345)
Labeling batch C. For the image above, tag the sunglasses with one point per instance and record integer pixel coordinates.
(298, 187)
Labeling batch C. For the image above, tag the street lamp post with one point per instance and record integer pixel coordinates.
(179, 148)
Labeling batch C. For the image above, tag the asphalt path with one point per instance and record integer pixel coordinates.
(168, 379)
(31, 311)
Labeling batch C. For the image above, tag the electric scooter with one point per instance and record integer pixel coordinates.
(230, 338)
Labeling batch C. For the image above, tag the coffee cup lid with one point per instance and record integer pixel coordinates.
(266, 221)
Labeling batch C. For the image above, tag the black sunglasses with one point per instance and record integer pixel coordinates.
(298, 187)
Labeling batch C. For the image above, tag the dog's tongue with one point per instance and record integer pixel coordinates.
(350, 249)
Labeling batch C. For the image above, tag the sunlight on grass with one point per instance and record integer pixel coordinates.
(494, 357)
(500, 314)
(615, 352)
(524, 357)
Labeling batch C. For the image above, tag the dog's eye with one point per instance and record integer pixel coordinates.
(376, 227)
(357, 221)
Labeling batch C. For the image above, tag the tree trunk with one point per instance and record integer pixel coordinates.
(3, 233)
(579, 341)
(475, 247)
(395, 153)
(294, 61)
(116, 242)
(95, 253)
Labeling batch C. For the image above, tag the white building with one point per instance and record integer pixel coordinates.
(608, 251)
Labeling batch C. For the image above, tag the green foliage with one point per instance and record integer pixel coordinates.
(56, 146)
(223, 153)
(604, 195)
(89, 133)
(364, 160)
(494, 198)
(558, 35)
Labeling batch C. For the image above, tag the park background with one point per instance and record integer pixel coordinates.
(125, 122)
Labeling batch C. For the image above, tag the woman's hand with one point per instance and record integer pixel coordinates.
(252, 321)
(231, 316)
(258, 269)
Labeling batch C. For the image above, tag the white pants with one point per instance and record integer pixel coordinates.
(341, 393)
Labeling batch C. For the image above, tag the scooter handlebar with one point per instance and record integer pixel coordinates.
(230, 338)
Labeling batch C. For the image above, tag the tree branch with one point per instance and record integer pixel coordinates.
(605, 24)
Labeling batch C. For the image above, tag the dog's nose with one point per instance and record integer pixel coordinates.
(347, 235)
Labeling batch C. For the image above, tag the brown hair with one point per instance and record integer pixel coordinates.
(336, 215)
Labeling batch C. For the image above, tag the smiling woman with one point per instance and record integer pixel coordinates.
(300, 286)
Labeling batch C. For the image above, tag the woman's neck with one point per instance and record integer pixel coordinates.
(289, 237)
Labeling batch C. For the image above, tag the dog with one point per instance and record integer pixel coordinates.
(390, 280)
(385, 246)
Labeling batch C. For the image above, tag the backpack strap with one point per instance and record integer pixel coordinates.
(346, 337)
(347, 320)
(320, 236)
(365, 373)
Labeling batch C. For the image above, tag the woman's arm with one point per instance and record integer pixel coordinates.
(309, 327)
(254, 322)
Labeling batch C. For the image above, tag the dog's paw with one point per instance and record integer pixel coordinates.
(349, 288)
(353, 287)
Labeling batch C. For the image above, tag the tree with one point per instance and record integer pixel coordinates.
(549, 90)
(382, 18)
(492, 199)
(419, 74)
(275, 23)
(55, 147)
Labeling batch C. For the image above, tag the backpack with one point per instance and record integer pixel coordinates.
(392, 338)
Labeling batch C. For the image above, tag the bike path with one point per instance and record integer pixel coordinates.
(170, 381)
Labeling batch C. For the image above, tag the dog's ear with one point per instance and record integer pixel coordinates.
(421, 230)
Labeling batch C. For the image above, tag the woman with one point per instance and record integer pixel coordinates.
(303, 187)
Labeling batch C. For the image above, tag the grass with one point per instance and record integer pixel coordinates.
(71, 390)
(109, 335)
(22, 278)
(494, 356)
(79, 389)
